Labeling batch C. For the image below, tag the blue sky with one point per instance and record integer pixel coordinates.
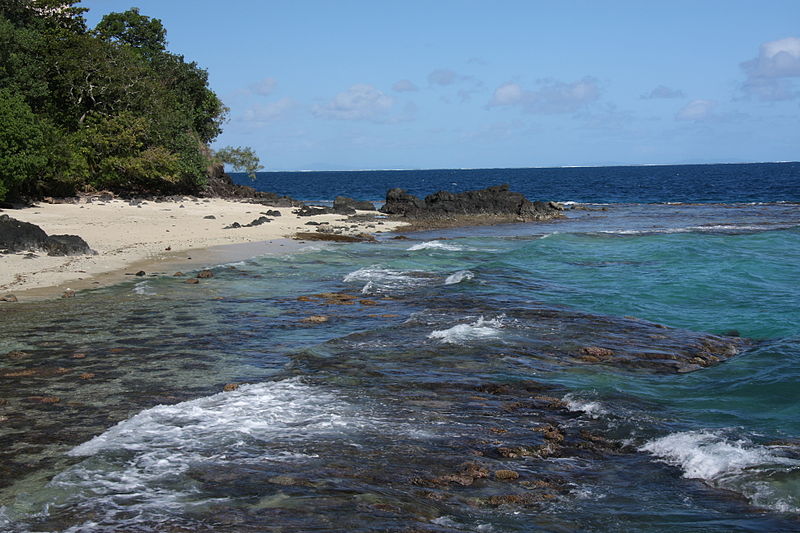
(345, 84)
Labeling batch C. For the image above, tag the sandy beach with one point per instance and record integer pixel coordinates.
(152, 237)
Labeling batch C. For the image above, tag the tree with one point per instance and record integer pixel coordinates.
(146, 35)
(23, 147)
(242, 159)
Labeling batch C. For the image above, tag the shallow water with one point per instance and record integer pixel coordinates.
(593, 357)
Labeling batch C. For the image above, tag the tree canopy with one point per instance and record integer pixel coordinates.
(108, 107)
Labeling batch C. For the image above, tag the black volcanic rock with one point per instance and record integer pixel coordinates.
(220, 185)
(345, 203)
(496, 201)
(19, 236)
(68, 245)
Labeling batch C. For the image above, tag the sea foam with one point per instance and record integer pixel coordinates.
(379, 279)
(464, 333)
(147, 457)
(458, 277)
(436, 245)
(739, 465)
(592, 408)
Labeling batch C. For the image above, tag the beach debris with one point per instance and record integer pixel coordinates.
(8, 298)
(230, 387)
(69, 293)
(205, 274)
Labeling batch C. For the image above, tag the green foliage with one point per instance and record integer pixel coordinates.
(130, 28)
(23, 149)
(242, 159)
(118, 155)
(108, 108)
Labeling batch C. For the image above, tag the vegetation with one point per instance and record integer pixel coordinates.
(242, 159)
(103, 108)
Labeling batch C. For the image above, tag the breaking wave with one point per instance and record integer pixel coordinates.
(458, 277)
(765, 475)
(464, 333)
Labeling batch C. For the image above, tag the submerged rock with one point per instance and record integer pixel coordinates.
(334, 237)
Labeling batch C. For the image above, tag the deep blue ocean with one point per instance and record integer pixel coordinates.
(634, 366)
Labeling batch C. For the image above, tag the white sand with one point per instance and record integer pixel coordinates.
(128, 238)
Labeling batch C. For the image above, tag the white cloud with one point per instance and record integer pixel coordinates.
(268, 112)
(697, 110)
(662, 91)
(359, 102)
(443, 76)
(769, 75)
(404, 86)
(508, 94)
(550, 97)
(264, 87)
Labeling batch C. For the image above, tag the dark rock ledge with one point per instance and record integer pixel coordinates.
(18, 236)
(491, 205)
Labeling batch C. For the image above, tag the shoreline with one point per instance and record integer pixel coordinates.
(149, 236)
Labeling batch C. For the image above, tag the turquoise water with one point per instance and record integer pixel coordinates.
(454, 355)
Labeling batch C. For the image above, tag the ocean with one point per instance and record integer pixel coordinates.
(631, 367)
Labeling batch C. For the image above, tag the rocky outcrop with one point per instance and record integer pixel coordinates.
(494, 201)
(18, 236)
(341, 203)
(221, 185)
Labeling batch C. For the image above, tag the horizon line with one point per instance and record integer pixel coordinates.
(533, 167)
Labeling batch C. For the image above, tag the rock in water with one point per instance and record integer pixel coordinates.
(496, 201)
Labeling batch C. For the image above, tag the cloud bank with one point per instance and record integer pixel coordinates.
(769, 76)
(359, 102)
(550, 97)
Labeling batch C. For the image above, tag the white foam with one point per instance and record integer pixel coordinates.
(436, 245)
(458, 277)
(379, 279)
(733, 464)
(144, 288)
(464, 333)
(592, 408)
(137, 468)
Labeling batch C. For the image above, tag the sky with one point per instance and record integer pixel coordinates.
(351, 84)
